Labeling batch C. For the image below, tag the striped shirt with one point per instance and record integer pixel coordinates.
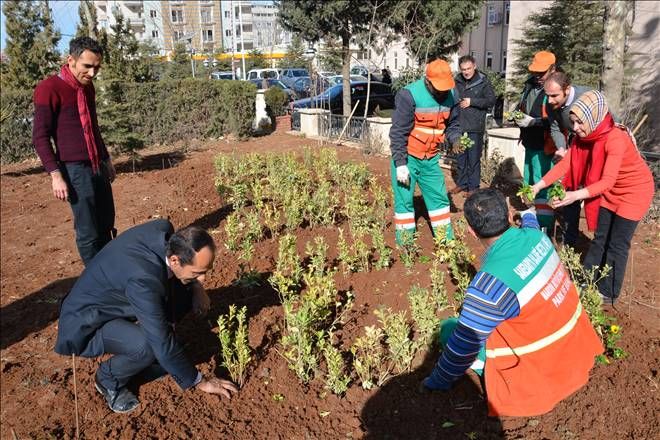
(488, 302)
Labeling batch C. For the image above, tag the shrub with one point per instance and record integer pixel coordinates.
(276, 100)
(16, 126)
(235, 350)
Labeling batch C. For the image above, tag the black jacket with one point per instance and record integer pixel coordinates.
(127, 279)
(482, 99)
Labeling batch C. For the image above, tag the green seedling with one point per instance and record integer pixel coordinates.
(526, 193)
(235, 350)
(557, 191)
(466, 142)
(514, 115)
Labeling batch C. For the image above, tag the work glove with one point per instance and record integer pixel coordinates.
(403, 174)
(524, 122)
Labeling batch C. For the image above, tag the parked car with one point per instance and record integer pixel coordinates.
(262, 73)
(306, 86)
(362, 70)
(327, 74)
(272, 82)
(222, 75)
(337, 79)
(380, 96)
(289, 76)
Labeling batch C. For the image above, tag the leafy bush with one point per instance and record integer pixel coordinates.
(154, 113)
(276, 100)
(16, 125)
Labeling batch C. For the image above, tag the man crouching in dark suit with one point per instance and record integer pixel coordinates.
(126, 302)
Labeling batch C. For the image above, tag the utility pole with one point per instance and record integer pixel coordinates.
(233, 40)
(240, 23)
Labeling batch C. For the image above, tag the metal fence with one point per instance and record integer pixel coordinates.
(331, 126)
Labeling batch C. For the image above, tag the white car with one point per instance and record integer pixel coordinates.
(262, 73)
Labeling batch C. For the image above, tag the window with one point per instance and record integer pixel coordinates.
(207, 35)
(493, 16)
(206, 15)
(396, 61)
(473, 54)
(227, 14)
(247, 28)
(177, 35)
(177, 16)
(227, 32)
(507, 11)
(407, 62)
(154, 34)
(489, 60)
(153, 13)
(503, 66)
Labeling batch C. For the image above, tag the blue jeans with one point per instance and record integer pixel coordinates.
(90, 197)
(469, 164)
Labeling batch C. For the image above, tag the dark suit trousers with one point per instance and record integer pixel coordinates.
(127, 342)
(469, 164)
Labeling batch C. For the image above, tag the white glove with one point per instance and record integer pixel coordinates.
(402, 174)
(524, 122)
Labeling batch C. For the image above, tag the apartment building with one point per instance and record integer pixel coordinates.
(267, 32)
(237, 26)
(197, 23)
(143, 16)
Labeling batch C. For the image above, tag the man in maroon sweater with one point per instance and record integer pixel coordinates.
(80, 166)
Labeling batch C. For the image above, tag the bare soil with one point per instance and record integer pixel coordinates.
(40, 264)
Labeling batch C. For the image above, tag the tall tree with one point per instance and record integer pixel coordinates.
(573, 31)
(31, 42)
(294, 56)
(617, 18)
(88, 24)
(125, 58)
(433, 28)
(339, 19)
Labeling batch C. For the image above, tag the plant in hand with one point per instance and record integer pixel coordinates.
(465, 142)
(235, 350)
(526, 193)
(557, 191)
(514, 115)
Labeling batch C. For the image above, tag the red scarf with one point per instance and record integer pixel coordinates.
(587, 162)
(84, 93)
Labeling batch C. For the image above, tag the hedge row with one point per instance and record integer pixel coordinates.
(160, 112)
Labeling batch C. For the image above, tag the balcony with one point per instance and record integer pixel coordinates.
(135, 22)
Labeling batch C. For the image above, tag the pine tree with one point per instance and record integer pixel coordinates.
(88, 25)
(125, 58)
(31, 43)
(294, 55)
(179, 65)
(573, 31)
(115, 122)
(433, 28)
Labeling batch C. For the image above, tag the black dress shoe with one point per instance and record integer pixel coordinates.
(120, 401)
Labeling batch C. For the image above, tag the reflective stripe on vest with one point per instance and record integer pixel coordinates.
(541, 343)
(428, 130)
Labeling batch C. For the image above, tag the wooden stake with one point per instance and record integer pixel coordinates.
(639, 124)
(348, 121)
(75, 395)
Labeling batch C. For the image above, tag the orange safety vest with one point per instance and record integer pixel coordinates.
(543, 355)
(430, 121)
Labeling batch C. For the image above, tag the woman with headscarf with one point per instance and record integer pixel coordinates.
(605, 169)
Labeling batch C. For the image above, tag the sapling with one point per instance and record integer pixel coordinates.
(369, 359)
(235, 350)
(397, 336)
(239, 196)
(438, 290)
(233, 228)
(514, 115)
(409, 249)
(423, 309)
(271, 216)
(362, 255)
(344, 254)
(288, 273)
(557, 191)
(526, 193)
(384, 252)
(465, 142)
(336, 379)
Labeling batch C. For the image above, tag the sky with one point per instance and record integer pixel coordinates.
(65, 15)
